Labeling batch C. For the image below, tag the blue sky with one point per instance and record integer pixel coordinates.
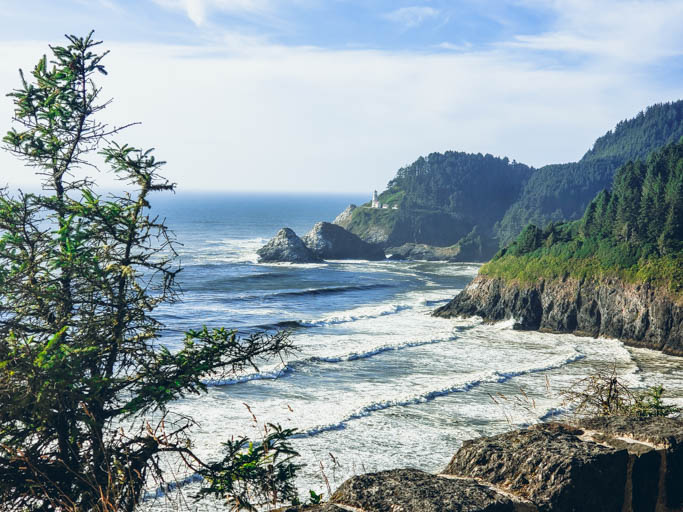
(336, 95)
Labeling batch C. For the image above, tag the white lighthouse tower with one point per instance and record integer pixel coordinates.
(375, 200)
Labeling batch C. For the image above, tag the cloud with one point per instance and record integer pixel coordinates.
(198, 10)
(624, 30)
(411, 16)
(306, 119)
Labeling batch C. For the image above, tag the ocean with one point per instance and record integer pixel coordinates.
(375, 382)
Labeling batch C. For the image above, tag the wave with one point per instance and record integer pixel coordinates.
(239, 379)
(331, 289)
(495, 377)
(291, 367)
(307, 292)
(357, 315)
(168, 487)
(354, 356)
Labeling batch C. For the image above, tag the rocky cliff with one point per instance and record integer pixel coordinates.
(638, 314)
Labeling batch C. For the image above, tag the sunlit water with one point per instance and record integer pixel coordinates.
(376, 382)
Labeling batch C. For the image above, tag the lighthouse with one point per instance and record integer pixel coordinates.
(375, 200)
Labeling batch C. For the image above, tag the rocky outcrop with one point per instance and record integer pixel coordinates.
(413, 490)
(549, 466)
(638, 314)
(424, 252)
(344, 218)
(286, 247)
(606, 464)
(329, 241)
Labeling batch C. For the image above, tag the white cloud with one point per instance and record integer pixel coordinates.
(305, 119)
(411, 16)
(626, 30)
(198, 10)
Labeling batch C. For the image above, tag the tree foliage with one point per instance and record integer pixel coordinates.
(467, 185)
(84, 383)
(561, 192)
(634, 231)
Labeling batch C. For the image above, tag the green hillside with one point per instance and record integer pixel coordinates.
(443, 198)
(561, 192)
(634, 232)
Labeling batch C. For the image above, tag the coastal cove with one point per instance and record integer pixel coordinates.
(377, 382)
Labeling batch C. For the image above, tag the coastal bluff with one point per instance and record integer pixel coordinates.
(639, 314)
(604, 464)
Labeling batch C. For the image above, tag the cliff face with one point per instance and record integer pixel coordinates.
(637, 314)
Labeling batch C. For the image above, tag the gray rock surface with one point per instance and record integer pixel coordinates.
(286, 247)
(411, 490)
(548, 465)
(425, 252)
(637, 314)
(604, 464)
(655, 448)
(344, 218)
(329, 241)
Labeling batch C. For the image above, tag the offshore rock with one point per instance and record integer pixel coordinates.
(344, 218)
(411, 490)
(637, 314)
(286, 247)
(548, 465)
(329, 241)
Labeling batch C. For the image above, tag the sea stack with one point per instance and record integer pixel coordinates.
(287, 247)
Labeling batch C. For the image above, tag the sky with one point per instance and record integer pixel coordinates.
(334, 96)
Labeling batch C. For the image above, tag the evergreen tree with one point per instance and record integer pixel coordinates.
(84, 383)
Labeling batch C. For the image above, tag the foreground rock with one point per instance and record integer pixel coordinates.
(286, 247)
(637, 314)
(407, 490)
(329, 241)
(606, 464)
(549, 466)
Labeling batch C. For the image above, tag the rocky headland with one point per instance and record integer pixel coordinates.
(604, 464)
(638, 314)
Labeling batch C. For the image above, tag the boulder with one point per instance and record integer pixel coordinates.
(329, 241)
(606, 463)
(411, 490)
(286, 247)
(548, 465)
(655, 467)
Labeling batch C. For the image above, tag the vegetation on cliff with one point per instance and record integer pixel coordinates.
(561, 192)
(443, 198)
(633, 232)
